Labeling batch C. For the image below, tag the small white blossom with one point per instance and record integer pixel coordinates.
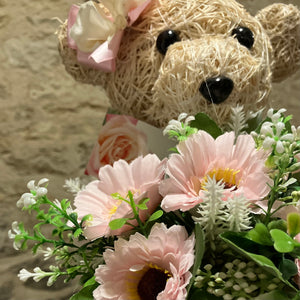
(275, 116)
(279, 147)
(273, 133)
(39, 274)
(296, 132)
(179, 125)
(12, 233)
(48, 253)
(36, 191)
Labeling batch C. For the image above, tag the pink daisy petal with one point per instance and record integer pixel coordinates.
(240, 166)
(164, 258)
(142, 177)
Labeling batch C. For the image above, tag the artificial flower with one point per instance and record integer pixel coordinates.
(36, 191)
(97, 23)
(239, 165)
(118, 139)
(156, 267)
(180, 128)
(142, 177)
(275, 132)
(12, 233)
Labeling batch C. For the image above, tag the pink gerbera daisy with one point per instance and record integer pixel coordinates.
(240, 166)
(150, 268)
(142, 177)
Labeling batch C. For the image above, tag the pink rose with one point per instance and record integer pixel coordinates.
(118, 139)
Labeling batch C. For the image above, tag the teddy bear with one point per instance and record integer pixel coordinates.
(159, 58)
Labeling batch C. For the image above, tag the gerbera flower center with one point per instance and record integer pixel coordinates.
(114, 208)
(147, 283)
(228, 176)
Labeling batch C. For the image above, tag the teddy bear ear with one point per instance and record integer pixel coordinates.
(282, 24)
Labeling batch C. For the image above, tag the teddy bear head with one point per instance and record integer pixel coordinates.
(182, 56)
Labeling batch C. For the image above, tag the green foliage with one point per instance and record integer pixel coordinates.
(64, 239)
(143, 227)
(293, 224)
(199, 252)
(248, 248)
(260, 234)
(204, 122)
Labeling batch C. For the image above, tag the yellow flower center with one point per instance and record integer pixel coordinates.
(114, 208)
(146, 283)
(228, 176)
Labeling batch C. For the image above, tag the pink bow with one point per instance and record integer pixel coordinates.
(104, 57)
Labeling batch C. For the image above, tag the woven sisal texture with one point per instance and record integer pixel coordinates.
(283, 37)
(157, 88)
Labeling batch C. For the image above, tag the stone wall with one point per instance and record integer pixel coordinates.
(48, 125)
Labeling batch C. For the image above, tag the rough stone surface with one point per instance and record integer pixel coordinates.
(48, 125)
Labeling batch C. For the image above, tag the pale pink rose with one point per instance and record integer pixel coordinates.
(118, 139)
(157, 266)
(142, 177)
(239, 165)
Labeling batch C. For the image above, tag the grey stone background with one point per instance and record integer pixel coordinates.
(49, 123)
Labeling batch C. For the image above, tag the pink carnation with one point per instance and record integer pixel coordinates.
(153, 268)
(142, 177)
(239, 165)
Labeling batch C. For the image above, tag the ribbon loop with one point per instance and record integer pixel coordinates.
(96, 30)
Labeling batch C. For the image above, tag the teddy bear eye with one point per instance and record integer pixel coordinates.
(165, 39)
(244, 35)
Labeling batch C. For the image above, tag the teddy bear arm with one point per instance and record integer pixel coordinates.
(282, 24)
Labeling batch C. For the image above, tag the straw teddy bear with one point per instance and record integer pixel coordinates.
(157, 59)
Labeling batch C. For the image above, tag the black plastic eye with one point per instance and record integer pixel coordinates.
(165, 39)
(244, 35)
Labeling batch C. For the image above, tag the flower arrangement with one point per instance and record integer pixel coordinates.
(218, 219)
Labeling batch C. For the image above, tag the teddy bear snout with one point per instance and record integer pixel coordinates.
(216, 89)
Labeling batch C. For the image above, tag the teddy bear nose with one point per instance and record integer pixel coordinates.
(216, 89)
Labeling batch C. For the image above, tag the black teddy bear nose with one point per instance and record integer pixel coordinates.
(216, 89)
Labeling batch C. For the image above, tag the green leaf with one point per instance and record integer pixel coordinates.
(156, 215)
(117, 196)
(199, 252)
(142, 204)
(204, 122)
(283, 243)
(89, 282)
(86, 293)
(293, 224)
(78, 232)
(278, 224)
(86, 218)
(117, 223)
(288, 268)
(73, 269)
(260, 234)
(274, 295)
(73, 216)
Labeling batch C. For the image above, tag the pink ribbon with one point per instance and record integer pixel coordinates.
(104, 57)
